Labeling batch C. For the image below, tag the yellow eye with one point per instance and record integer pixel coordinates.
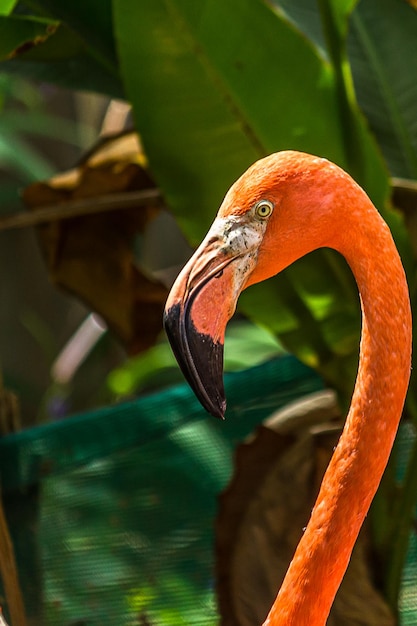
(263, 209)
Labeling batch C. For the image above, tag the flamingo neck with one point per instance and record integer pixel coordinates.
(362, 453)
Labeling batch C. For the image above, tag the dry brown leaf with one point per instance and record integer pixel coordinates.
(92, 256)
(263, 512)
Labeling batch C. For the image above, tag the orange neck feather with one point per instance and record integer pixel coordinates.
(358, 463)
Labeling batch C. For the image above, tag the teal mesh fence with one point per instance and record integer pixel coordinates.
(112, 511)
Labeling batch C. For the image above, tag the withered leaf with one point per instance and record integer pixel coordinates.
(264, 510)
(92, 255)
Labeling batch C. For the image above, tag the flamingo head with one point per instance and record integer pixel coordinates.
(272, 215)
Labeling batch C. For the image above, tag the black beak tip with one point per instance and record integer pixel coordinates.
(218, 410)
(200, 359)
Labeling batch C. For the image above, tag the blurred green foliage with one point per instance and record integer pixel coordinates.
(215, 85)
(246, 345)
(205, 111)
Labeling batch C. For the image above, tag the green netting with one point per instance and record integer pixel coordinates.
(112, 511)
(116, 510)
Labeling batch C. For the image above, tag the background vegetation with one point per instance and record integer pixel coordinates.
(213, 86)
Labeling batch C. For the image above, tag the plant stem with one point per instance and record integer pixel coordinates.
(335, 37)
(85, 206)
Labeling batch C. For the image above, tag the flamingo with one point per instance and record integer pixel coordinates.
(283, 207)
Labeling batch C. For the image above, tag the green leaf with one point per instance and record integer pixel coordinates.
(220, 112)
(383, 52)
(339, 11)
(219, 98)
(305, 15)
(313, 308)
(62, 58)
(79, 55)
(382, 48)
(326, 26)
(246, 345)
(20, 33)
(361, 150)
(90, 19)
(7, 6)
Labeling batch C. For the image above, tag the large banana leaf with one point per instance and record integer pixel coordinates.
(220, 85)
(215, 86)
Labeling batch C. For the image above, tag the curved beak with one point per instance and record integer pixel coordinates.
(203, 299)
